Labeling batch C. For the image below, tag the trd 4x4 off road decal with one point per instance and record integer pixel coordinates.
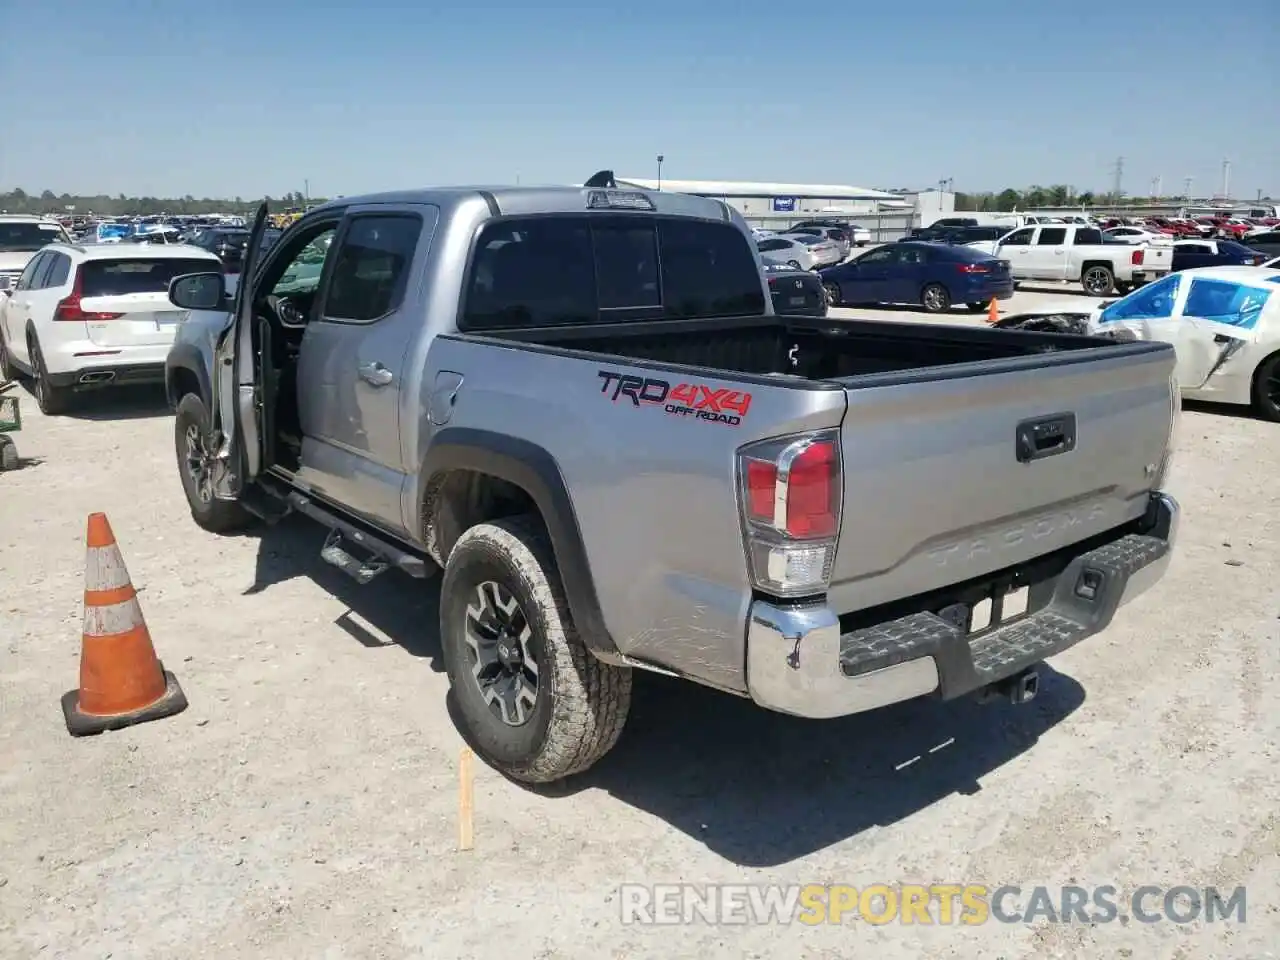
(697, 400)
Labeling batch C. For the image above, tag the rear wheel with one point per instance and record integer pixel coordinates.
(935, 298)
(193, 445)
(50, 399)
(534, 702)
(7, 370)
(1124, 288)
(1098, 281)
(1266, 388)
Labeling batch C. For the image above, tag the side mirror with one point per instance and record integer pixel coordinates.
(198, 291)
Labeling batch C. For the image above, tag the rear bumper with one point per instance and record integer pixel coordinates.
(99, 375)
(1147, 275)
(799, 662)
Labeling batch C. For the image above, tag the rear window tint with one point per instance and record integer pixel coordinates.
(551, 271)
(115, 278)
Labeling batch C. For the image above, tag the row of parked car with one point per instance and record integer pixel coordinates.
(810, 245)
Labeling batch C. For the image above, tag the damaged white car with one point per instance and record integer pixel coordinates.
(1224, 323)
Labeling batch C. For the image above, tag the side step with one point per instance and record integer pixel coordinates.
(381, 554)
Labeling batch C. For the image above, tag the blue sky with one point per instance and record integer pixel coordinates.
(232, 97)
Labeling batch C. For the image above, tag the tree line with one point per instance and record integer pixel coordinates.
(48, 202)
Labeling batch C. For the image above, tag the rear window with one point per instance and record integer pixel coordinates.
(551, 271)
(25, 237)
(115, 278)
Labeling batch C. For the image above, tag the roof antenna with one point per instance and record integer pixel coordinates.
(602, 179)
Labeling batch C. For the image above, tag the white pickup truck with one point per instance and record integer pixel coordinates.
(1067, 251)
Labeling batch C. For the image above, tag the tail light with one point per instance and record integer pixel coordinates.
(69, 307)
(1137, 257)
(973, 268)
(791, 494)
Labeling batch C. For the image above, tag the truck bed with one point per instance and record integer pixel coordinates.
(814, 348)
(939, 488)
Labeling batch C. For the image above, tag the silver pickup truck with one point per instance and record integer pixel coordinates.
(580, 403)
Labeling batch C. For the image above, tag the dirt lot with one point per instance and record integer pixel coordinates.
(305, 804)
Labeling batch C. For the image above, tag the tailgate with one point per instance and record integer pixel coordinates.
(938, 491)
(1157, 257)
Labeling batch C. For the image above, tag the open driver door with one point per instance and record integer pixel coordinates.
(236, 408)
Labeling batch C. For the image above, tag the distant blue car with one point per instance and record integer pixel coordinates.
(933, 275)
(1189, 254)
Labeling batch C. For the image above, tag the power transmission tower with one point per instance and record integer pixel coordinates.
(1226, 178)
(1186, 187)
(1117, 173)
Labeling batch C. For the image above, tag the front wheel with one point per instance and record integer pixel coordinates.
(935, 298)
(533, 700)
(832, 291)
(1098, 281)
(1266, 388)
(193, 445)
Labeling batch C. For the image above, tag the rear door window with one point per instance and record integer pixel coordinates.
(1155, 301)
(1051, 237)
(371, 269)
(1087, 237)
(1223, 301)
(59, 272)
(119, 278)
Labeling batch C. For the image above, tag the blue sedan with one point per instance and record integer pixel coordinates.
(933, 275)
(1189, 254)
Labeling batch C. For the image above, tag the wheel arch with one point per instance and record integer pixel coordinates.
(471, 476)
(185, 373)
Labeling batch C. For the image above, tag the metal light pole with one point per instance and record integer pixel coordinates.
(660, 159)
(306, 193)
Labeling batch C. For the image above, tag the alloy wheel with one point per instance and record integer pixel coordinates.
(199, 463)
(503, 666)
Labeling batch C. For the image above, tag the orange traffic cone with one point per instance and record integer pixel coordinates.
(993, 311)
(121, 681)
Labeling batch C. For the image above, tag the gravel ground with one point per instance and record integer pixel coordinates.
(305, 804)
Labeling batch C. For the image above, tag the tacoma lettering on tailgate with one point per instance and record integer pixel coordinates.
(696, 400)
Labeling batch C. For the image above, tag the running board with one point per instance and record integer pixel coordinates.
(382, 554)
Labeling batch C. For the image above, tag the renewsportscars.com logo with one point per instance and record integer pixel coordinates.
(926, 905)
(696, 400)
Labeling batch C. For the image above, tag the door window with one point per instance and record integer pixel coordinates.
(37, 263)
(912, 255)
(300, 277)
(1051, 237)
(1019, 238)
(768, 246)
(371, 267)
(41, 278)
(878, 257)
(1155, 301)
(1087, 238)
(60, 270)
(1225, 302)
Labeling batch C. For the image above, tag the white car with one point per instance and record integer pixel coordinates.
(859, 236)
(1137, 235)
(787, 251)
(20, 238)
(87, 316)
(1224, 323)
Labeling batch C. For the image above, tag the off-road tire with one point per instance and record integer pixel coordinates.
(216, 516)
(1266, 384)
(581, 703)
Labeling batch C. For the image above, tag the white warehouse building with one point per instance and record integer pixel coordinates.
(755, 199)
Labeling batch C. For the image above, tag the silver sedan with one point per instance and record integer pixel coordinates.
(826, 253)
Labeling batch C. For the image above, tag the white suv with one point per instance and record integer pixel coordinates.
(20, 237)
(87, 316)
